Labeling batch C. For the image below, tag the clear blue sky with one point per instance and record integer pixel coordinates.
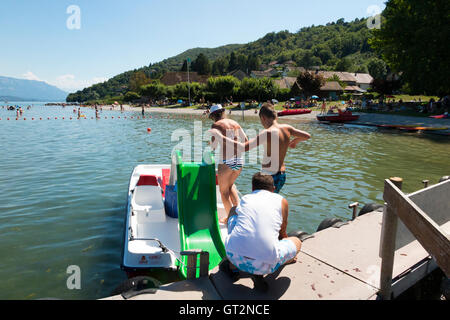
(116, 36)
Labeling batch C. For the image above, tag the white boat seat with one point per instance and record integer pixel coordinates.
(148, 205)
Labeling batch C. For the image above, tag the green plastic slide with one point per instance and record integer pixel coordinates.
(197, 211)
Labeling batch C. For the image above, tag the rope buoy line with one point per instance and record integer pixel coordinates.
(185, 117)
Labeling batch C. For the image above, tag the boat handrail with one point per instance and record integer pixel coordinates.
(161, 245)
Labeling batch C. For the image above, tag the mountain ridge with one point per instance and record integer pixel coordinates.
(14, 89)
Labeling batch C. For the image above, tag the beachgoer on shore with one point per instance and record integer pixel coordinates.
(324, 107)
(232, 160)
(276, 139)
(257, 242)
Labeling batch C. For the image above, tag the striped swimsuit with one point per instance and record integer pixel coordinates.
(235, 163)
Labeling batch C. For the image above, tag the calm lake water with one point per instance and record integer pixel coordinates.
(63, 187)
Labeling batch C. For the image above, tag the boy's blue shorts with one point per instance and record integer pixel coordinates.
(279, 180)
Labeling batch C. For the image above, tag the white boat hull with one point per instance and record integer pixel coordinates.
(148, 229)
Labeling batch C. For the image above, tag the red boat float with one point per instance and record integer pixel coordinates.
(442, 116)
(293, 112)
(340, 117)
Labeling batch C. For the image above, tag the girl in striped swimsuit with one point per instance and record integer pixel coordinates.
(232, 161)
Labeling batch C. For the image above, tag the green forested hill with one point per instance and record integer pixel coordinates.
(340, 45)
(316, 45)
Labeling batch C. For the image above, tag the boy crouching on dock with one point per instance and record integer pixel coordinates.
(257, 242)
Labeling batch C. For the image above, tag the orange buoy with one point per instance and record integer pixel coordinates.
(149, 130)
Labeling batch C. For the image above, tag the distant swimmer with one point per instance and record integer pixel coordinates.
(79, 113)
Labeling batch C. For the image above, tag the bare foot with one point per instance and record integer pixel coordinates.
(292, 261)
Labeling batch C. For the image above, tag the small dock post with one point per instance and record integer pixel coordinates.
(191, 268)
(354, 206)
(387, 245)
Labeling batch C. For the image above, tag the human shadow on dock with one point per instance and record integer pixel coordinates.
(246, 288)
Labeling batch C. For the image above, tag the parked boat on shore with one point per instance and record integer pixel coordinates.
(340, 117)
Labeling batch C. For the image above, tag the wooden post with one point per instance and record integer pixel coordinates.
(425, 183)
(429, 234)
(191, 268)
(387, 245)
(204, 264)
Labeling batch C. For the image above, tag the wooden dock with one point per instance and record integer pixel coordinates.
(347, 263)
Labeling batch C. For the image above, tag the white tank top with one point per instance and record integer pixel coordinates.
(257, 229)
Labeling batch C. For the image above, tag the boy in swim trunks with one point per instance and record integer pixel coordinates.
(257, 242)
(232, 161)
(276, 139)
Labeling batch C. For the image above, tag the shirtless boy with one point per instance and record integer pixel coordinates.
(232, 161)
(276, 139)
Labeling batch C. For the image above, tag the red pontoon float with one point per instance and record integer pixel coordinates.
(293, 112)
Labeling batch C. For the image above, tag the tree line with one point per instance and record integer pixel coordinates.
(217, 89)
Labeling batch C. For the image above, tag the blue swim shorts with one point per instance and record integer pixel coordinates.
(286, 250)
(279, 180)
